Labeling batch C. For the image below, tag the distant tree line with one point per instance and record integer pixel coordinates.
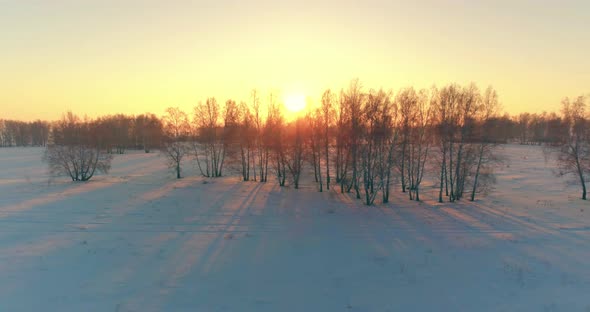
(79, 147)
(545, 128)
(117, 133)
(114, 133)
(21, 133)
(120, 132)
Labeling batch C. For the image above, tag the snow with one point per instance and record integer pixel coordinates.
(140, 240)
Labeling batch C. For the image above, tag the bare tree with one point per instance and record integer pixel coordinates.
(148, 132)
(274, 144)
(376, 131)
(465, 128)
(211, 136)
(352, 100)
(315, 135)
(406, 100)
(295, 151)
(487, 157)
(388, 148)
(247, 139)
(465, 156)
(177, 130)
(573, 156)
(39, 133)
(444, 105)
(327, 113)
(4, 135)
(419, 143)
(264, 135)
(74, 152)
(524, 121)
(342, 158)
(455, 111)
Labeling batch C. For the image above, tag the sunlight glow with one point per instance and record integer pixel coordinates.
(295, 102)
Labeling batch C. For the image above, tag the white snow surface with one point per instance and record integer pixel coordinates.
(139, 240)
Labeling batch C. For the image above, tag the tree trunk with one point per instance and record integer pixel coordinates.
(178, 169)
(442, 176)
(403, 161)
(477, 173)
(327, 164)
(320, 177)
(581, 175)
(315, 163)
(450, 177)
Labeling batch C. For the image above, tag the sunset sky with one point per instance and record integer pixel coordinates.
(116, 56)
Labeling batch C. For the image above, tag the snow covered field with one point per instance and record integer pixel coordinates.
(139, 240)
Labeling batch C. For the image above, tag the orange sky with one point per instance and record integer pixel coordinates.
(104, 57)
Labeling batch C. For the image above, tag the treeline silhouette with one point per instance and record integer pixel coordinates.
(79, 148)
(365, 142)
(114, 133)
(21, 133)
(524, 128)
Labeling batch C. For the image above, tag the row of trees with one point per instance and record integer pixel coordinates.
(540, 128)
(115, 133)
(381, 138)
(360, 141)
(21, 133)
(120, 132)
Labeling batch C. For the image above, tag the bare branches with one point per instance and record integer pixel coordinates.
(177, 130)
(74, 152)
(213, 138)
(573, 156)
(372, 140)
(487, 158)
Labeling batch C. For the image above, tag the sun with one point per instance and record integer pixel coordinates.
(295, 102)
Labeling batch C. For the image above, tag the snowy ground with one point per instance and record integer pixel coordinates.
(138, 240)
